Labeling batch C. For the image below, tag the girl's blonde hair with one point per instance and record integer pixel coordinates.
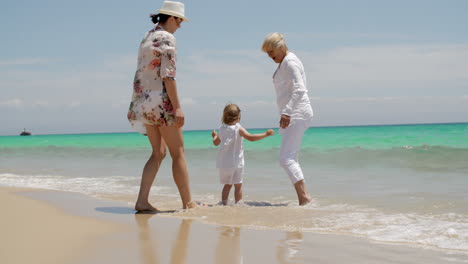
(274, 41)
(231, 113)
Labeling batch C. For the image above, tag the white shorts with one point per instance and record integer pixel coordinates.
(231, 175)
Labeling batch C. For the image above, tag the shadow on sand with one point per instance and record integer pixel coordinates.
(128, 210)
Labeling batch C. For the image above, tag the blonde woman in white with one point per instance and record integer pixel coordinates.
(230, 159)
(294, 108)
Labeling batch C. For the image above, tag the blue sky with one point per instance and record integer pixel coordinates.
(67, 66)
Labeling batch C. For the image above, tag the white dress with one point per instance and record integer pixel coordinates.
(231, 148)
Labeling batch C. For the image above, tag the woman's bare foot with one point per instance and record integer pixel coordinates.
(191, 205)
(145, 207)
(305, 200)
(302, 195)
(195, 204)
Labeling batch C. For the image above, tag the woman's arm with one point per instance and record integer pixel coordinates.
(294, 73)
(171, 88)
(254, 137)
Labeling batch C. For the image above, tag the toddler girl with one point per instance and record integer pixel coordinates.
(230, 160)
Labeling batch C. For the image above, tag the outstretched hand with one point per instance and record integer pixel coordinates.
(270, 132)
(216, 139)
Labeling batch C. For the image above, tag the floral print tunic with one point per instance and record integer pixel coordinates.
(150, 102)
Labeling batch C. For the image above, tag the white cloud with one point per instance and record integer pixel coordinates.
(384, 99)
(259, 103)
(388, 69)
(15, 102)
(375, 71)
(346, 35)
(40, 104)
(234, 63)
(119, 61)
(74, 104)
(186, 101)
(26, 61)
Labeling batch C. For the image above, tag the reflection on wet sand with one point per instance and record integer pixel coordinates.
(179, 249)
(225, 245)
(289, 247)
(149, 246)
(228, 250)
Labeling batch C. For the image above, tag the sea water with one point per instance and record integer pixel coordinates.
(396, 183)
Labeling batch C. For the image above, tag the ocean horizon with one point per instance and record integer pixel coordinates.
(210, 129)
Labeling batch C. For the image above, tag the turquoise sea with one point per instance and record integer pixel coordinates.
(393, 183)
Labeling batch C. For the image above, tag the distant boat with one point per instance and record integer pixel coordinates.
(25, 133)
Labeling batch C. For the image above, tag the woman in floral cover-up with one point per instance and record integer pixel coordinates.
(156, 61)
(155, 110)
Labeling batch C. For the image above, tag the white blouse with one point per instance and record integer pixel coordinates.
(290, 83)
(231, 149)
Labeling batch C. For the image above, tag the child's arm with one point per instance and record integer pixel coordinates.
(216, 139)
(254, 137)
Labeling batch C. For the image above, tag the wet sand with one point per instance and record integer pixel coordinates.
(39, 226)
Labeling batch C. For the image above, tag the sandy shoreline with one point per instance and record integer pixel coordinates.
(40, 226)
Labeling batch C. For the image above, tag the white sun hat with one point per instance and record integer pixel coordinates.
(173, 9)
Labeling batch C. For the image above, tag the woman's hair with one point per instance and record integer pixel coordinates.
(231, 113)
(159, 18)
(274, 41)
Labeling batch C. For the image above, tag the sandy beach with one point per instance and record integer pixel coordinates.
(40, 226)
(36, 232)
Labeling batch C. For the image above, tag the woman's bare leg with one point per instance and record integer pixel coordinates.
(302, 195)
(151, 168)
(173, 137)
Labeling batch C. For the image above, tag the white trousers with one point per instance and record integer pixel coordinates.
(290, 147)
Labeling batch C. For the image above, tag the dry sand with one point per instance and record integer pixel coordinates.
(36, 232)
(60, 227)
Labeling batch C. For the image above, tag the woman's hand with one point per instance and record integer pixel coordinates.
(214, 134)
(270, 132)
(284, 122)
(171, 89)
(179, 117)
